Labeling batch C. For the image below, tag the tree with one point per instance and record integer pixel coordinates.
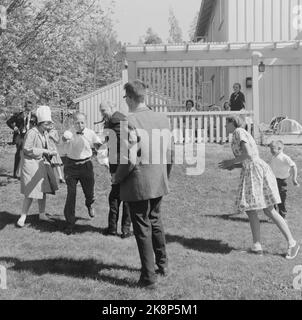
(193, 27)
(151, 37)
(54, 50)
(175, 33)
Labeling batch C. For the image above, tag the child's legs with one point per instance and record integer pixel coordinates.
(255, 225)
(282, 186)
(280, 222)
(42, 204)
(26, 205)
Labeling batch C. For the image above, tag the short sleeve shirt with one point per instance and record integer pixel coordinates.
(281, 165)
(239, 135)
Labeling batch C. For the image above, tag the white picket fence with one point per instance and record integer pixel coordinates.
(204, 127)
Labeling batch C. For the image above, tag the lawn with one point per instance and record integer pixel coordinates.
(205, 240)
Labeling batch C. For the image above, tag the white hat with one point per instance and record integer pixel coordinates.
(44, 114)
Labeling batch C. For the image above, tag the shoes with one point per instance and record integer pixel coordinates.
(254, 251)
(109, 232)
(44, 216)
(164, 272)
(62, 181)
(91, 212)
(126, 235)
(69, 230)
(21, 222)
(146, 284)
(292, 252)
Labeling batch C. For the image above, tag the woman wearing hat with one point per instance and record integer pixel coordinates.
(36, 175)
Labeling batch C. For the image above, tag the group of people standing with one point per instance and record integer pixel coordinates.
(138, 183)
(235, 103)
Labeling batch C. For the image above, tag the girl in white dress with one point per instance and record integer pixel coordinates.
(258, 188)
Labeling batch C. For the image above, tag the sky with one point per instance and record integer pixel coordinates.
(133, 17)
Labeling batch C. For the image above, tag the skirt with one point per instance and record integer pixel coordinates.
(258, 187)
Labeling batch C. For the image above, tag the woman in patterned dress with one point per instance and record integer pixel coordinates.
(258, 189)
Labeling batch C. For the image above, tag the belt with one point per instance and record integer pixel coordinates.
(80, 161)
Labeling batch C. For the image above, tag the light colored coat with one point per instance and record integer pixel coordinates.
(34, 179)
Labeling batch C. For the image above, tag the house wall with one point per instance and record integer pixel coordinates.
(280, 90)
(262, 20)
(218, 30)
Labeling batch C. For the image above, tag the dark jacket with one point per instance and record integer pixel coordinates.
(237, 101)
(142, 178)
(19, 120)
(113, 139)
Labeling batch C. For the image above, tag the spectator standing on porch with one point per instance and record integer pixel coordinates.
(237, 99)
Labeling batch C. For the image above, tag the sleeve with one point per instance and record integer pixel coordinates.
(96, 139)
(30, 149)
(127, 154)
(289, 161)
(241, 135)
(242, 97)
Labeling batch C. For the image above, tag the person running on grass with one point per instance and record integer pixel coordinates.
(258, 189)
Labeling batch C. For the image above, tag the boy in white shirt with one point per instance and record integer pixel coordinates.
(283, 167)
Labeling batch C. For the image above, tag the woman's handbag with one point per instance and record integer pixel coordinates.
(51, 176)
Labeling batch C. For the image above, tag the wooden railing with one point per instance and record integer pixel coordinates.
(204, 127)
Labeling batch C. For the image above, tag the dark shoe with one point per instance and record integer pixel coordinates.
(91, 212)
(62, 181)
(109, 232)
(146, 284)
(126, 235)
(164, 272)
(69, 230)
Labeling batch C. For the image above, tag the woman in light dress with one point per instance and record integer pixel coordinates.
(258, 188)
(36, 172)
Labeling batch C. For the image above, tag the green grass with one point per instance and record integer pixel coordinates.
(204, 243)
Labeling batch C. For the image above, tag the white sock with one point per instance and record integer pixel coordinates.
(257, 246)
(22, 219)
(292, 244)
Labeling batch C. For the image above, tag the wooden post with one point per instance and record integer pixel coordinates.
(125, 78)
(256, 98)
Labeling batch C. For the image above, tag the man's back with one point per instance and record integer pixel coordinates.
(148, 179)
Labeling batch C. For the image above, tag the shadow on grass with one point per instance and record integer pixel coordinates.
(232, 217)
(83, 269)
(54, 224)
(202, 245)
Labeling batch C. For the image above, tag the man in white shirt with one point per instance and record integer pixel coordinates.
(283, 167)
(78, 167)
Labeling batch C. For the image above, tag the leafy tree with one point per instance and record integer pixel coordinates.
(193, 27)
(54, 50)
(175, 33)
(151, 37)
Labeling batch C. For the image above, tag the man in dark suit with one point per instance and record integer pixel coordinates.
(143, 178)
(21, 122)
(112, 125)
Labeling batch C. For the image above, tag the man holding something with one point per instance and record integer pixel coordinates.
(78, 167)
